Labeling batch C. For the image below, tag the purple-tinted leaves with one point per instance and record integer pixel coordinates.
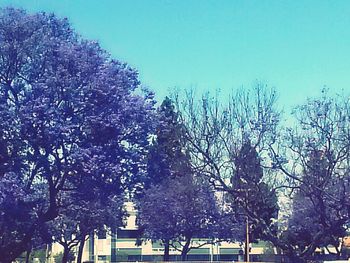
(71, 118)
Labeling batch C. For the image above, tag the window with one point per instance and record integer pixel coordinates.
(122, 233)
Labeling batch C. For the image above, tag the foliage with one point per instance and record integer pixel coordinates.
(71, 120)
(40, 255)
(318, 219)
(178, 205)
(318, 172)
(230, 144)
(167, 155)
(178, 210)
(78, 135)
(58, 257)
(252, 193)
(76, 221)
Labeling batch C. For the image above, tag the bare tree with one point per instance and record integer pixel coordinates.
(217, 135)
(318, 150)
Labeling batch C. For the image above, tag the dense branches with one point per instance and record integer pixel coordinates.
(222, 137)
(179, 210)
(243, 141)
(319, 152)
(78, 134)
(69, 120)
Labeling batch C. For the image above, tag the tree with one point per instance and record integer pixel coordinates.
(16, 203)
(318, 152)
(167, 155)
(231, 146)
(179, 210)
(78, 220)
(70, 118)
(171, 179)
(254, 195)
(167, 158)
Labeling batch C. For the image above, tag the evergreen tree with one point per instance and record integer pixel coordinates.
(167, 160)
(256, 199)
(167, 155)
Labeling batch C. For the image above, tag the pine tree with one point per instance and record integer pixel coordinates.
(167, 156)
(256, 199)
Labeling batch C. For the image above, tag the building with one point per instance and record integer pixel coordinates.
(122, 246)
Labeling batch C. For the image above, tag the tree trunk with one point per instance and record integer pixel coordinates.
(337, 250)
(246, 248)
(47, 253)
(65, 254)
(294, 257)
(29, 251)
(185, 249)
(81, 249)
(166, 255)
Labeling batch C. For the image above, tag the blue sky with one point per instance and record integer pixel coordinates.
(296, 46)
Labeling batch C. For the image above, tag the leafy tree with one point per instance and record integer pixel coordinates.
(166, 160)
(76, 221)
(254, 194)
(217, 135)
(256, 198)
(179, 210)
(167, 156)
(71, 118)
(195, 211)
(40, 255)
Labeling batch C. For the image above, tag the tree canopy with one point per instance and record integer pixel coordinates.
(71, 120)
(79, 135)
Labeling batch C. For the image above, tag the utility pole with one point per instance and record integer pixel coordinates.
(247, 241)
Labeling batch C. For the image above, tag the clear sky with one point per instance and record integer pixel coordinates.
(297, 46)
